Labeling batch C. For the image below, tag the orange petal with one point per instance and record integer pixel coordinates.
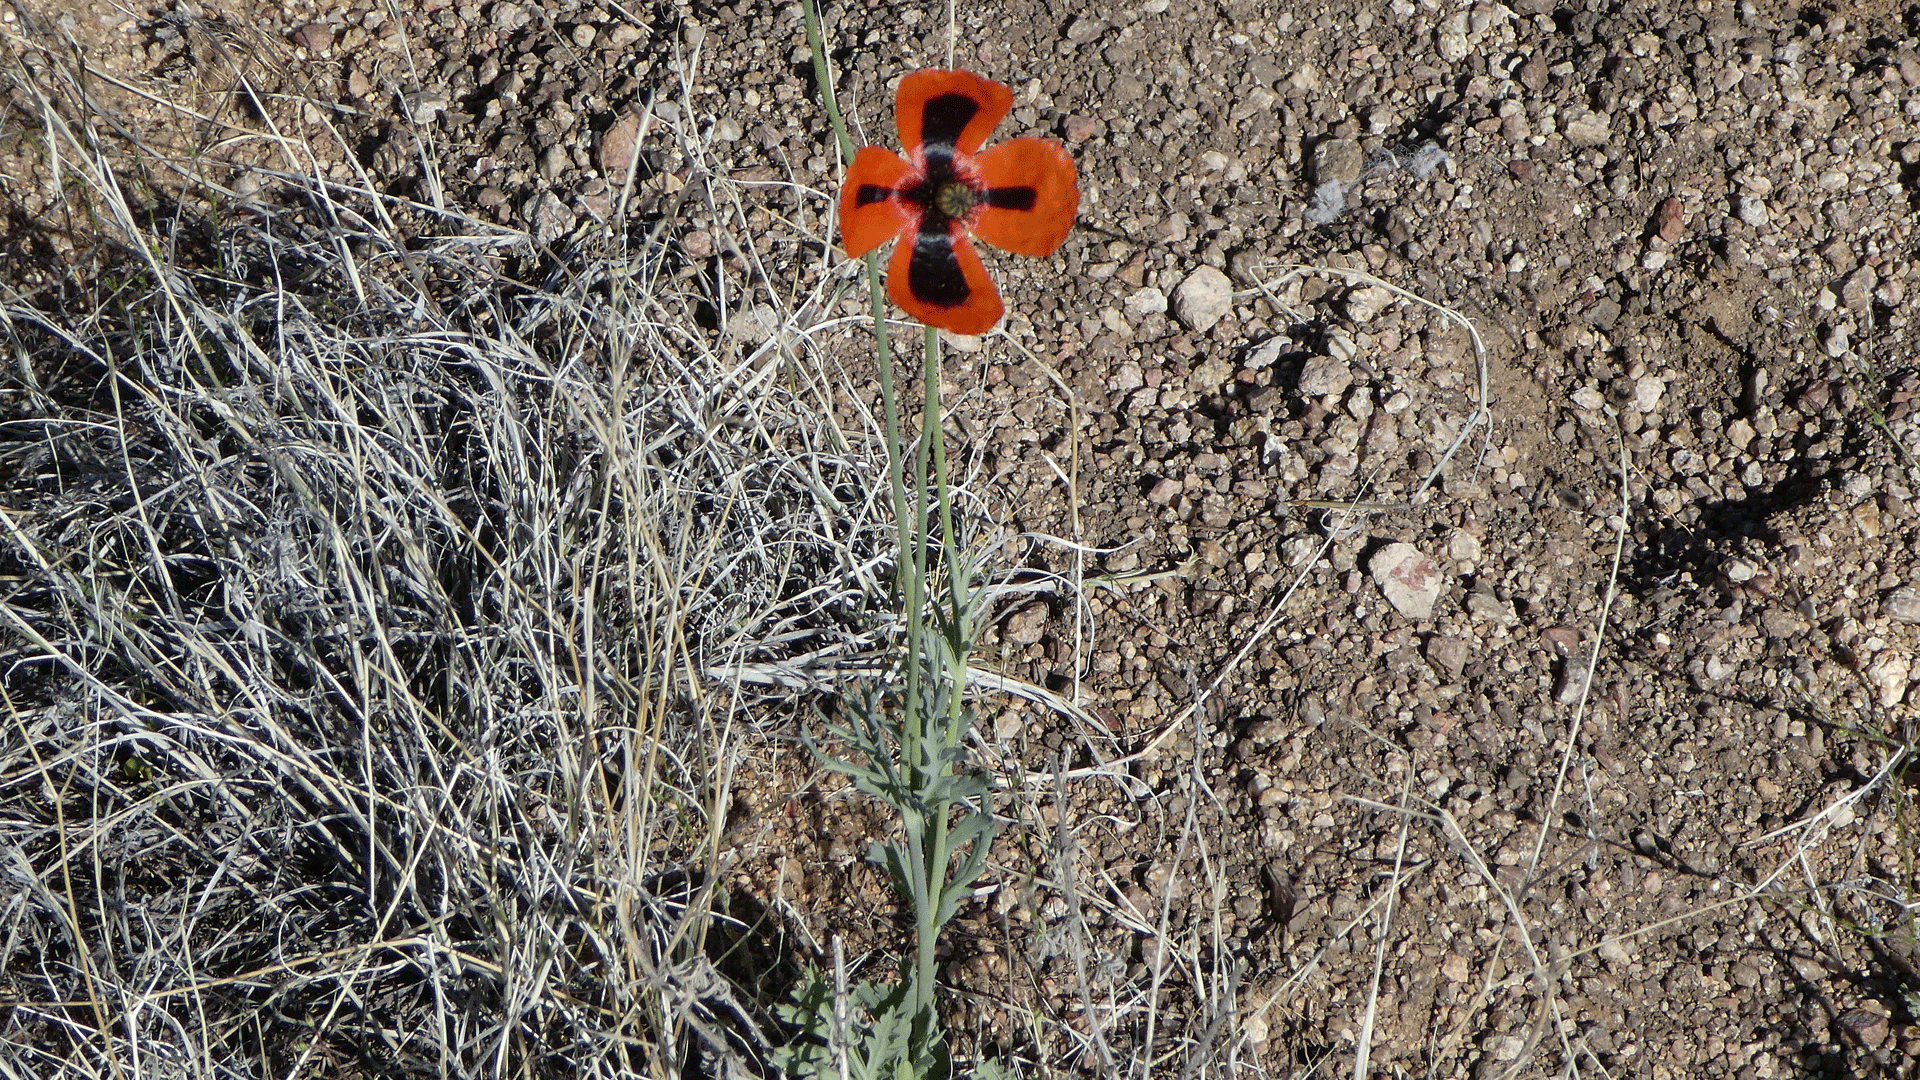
(939, 279)
(949, 108)
(1032, 196)
(872, 211)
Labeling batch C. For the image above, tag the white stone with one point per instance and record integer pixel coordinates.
(549, 217)
(965, 343)
(1903, 605)
(1147, 301)
(1367, 302)
(1740, 433)
(1264, 354)
(1888, 674)
(1410, 580)
(1507, 1047)
(1086, 28)
(1256, 1030)
(1203, 299)
(1588, 130)
(1646, 393)
(1325, 375)
(1463, 547)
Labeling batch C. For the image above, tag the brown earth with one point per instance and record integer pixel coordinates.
(1685, 234)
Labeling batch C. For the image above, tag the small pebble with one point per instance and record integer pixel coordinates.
(1366, 303)
(1646, 393)
(1492, 609)
(1888, 675)
(1323, 375)
(1463, 547)
(1903, 605)
(1148, 301)
(617, 148)
(1085, 29)
(316, 38)
(1564, 640)
(1203, 299)
(1671, 221)
(1448, 654)
(549, 217)
(1028, 625)
(1588, 130)
(1338, 161)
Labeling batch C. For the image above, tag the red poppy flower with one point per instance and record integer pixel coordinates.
(1020, 196)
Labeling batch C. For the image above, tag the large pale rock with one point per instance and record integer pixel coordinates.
(1203, 299)
(1409, 579)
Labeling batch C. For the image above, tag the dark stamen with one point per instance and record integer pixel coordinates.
(942, 196)
(954, 200)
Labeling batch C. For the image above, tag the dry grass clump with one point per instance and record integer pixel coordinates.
(354, 602)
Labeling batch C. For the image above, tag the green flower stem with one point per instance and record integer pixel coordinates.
(922, 535)
(909, 740)
(958, 642)
(934, 859)
(910, 569)
(924, 978)
(908, 577)
(823, 76)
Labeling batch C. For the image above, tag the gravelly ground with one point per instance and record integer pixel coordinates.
(1685, 235)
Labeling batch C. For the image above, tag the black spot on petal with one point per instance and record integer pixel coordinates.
(1012, 198)
(934, 275)
(945, 117)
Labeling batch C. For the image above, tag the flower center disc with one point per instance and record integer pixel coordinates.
(955, 200)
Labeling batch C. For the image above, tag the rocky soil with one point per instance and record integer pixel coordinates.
(1315, 699)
